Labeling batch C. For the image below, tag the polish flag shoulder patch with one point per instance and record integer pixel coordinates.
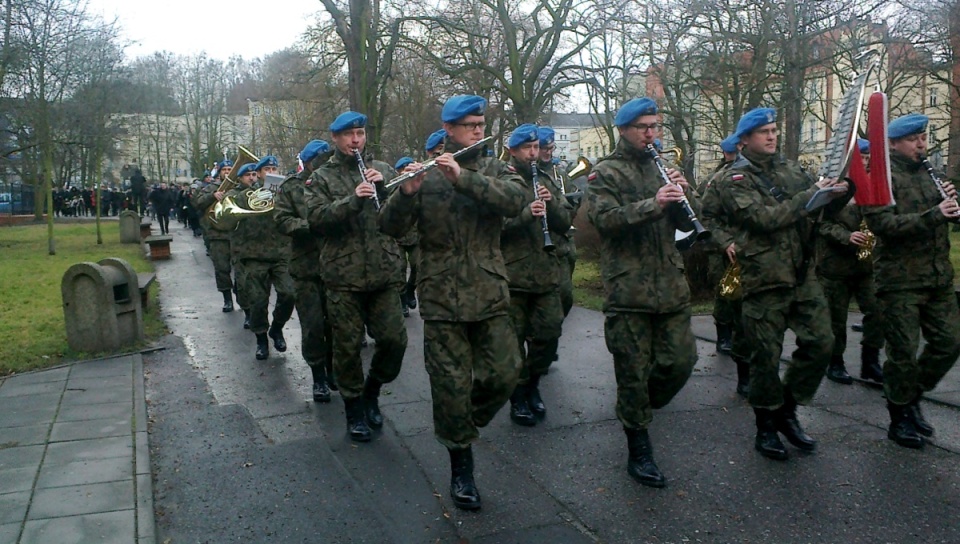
(736, 177)
(592, 176)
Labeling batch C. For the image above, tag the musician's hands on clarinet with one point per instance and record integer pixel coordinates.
(949, 208)
(668, 194)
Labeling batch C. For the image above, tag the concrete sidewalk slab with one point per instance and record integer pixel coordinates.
(70, 453)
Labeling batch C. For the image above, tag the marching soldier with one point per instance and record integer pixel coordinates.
(290, 214)
(408, 245)
(434, 144)
(726, 312)
(647, 308)
(262, 255)
(361, 270)
(566, 250)
(765, 197)
(464, 299)
(845, 270)
(914, 280)
(218, 239)
(533, 274)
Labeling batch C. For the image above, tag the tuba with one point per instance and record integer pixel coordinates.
(231, 182)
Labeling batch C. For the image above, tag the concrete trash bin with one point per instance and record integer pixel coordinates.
(101, 306)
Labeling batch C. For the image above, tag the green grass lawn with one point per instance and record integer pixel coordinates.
(32, 331)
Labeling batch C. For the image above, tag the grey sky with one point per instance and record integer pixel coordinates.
(191, 26)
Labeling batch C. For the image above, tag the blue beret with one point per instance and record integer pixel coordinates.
(462, 105)
(224, 162)
(863, 145)
(554, 161)
(246, 169)
(348, 119)
(730, 143)
(269, 160)
(523, 134)
(754, 119)
(547, 135)
(913, 123)
(314, 149)
(633, 109)
(435, 139)
(402, 163)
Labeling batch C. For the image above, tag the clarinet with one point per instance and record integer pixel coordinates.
(938, 182)
(363, 177)
(547, 242)
(701, 233)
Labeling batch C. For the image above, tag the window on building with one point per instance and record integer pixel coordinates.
(933, 97)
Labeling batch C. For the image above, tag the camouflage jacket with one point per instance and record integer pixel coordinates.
(914, 236)
(254, 236)
(462, 276)
(560, 181)
(530, 268)
(641, 267)
(712, 215)
(837, 256)
(354, 254)
(773, 237)
(202, 201)
(290, 214)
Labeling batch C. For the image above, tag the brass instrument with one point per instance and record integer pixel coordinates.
(676, 152)
(505, 154)
(866, 250)
(432, 163)
(699, 231)
(258, 201)
(730, 282)
(363, 177)
(231, 182)
(582, 168)
(547, 242)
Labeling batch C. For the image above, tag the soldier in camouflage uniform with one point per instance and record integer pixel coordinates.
(290, 214)
(217, 239)
(262, 255)
(914, 281)
(408, 245)
(842, 275)
(464, 299)
(765, 197)
(362, 272)
(534, 275)
(566, 249)
(726, 311)
(647, 308)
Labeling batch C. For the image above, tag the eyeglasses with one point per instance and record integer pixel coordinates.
(643, 127)
(471, 126)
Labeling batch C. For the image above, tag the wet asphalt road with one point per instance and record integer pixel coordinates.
(240, 453)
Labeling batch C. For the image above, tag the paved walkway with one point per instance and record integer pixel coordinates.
(74, 462)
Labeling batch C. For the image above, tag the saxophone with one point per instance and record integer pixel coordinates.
(865, 253)
(730, 282)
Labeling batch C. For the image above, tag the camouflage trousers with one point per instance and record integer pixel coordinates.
(254, 279)
(907, 313)
(537, 320)
(473, 369)
(567, 264)
(653, 355)
(315, 332)
(220, 255)
(411, 255)
(766, 316)
(838, 292)
(380, 311)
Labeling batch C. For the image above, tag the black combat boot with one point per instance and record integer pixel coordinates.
(788, 425)
(743, 377)
(263, 346)
(371, 404)
(227, 301)
(534, 401)
(403, 305)
(356, 420)
(901, 428)
(640, 464)
(916, 416)
(246, 319)
(412, 298)
(463, 490)
(724, 339)
(321, 392)
(837, 371)
(870, 368)
(768, 442)
(276, 333)
(857, 327)
(520, 407)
